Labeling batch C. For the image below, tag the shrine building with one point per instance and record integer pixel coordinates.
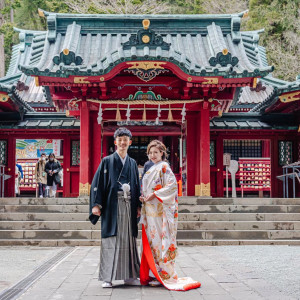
(196, 82)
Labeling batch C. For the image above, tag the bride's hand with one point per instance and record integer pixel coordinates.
(142, 199)
(150, 197)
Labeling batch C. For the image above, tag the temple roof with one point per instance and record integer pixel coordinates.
(279, 87)
(15, 82)
(40, 120)
(255, 121)
(201, 45)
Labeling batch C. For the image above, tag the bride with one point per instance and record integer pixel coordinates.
(159, 224)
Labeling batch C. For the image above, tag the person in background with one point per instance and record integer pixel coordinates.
(17, 174)
(41, 175)
(19, 179)
(52, 169)
(20, 170)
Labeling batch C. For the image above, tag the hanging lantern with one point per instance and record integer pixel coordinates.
(158, 115)
(118, 114)
(100, 114)
(170, 116)
(183, 113)
(128, 113)
(144, 114)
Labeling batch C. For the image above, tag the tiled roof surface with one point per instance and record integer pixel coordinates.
(279, 87)
(251, 96)
(25, 53)
(35, 120)
(254, 121)
(199, 45)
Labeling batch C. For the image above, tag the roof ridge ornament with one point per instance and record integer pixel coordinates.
(146, 37)
(68, 53)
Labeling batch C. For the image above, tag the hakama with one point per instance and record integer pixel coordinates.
(119, 257)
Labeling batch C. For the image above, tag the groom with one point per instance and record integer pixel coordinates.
(114, 196)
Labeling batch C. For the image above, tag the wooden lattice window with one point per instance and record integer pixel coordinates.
(3, 152)
(212, 156)
(243, 148)
(75, 153)
(285, 152)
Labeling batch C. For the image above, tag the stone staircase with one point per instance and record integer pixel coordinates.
(210, 221)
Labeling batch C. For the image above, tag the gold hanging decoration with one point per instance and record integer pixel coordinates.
(144, 114)
(118, 114)
(170, 116)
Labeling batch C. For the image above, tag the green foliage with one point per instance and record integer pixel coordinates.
(280, 19)
(187, 6)
(26, 16)
(10, 38)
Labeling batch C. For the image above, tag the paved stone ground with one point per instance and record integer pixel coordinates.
(16, 263)
(231, 272)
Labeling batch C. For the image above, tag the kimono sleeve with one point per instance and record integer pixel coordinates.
(168, 192)
(139, 204)
(96, 192)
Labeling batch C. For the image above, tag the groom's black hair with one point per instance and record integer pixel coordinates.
(122, 131)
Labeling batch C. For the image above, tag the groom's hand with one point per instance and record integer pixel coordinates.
(96, 211)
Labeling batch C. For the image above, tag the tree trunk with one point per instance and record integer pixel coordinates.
(2, 56)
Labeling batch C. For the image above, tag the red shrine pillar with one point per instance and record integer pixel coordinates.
(191, 152)
(85, 146)
(202, 186)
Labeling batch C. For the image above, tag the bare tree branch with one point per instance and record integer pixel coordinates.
(119, 6)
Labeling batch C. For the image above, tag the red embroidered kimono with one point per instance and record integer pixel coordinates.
(159, 228)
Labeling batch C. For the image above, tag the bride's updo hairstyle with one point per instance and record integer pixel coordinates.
(160, 146)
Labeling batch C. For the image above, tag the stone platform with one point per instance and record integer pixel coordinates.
(214, 221)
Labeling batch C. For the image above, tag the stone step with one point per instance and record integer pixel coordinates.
(239, 209)
(43, 217)
(182, 217)
(44, 201)
(78, 242)
(182, 225)
(182, 201)
(237, 225)
(48, 225)
(239, 217)
(184, 234)
(239, 201)
(182, 208)
(45, 208)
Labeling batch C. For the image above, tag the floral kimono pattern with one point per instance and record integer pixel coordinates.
(159, 220)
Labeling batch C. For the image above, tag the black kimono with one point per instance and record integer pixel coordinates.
(104, 192)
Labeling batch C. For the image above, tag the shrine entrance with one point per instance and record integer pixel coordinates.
(142, 136)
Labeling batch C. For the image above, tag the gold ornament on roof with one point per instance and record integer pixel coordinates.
(210, 80)
(81, 80)
(225, 51)
(146, 24)
(3, 97)
(66, 51)
(146, 39)
(41, 13)
(290, 97)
